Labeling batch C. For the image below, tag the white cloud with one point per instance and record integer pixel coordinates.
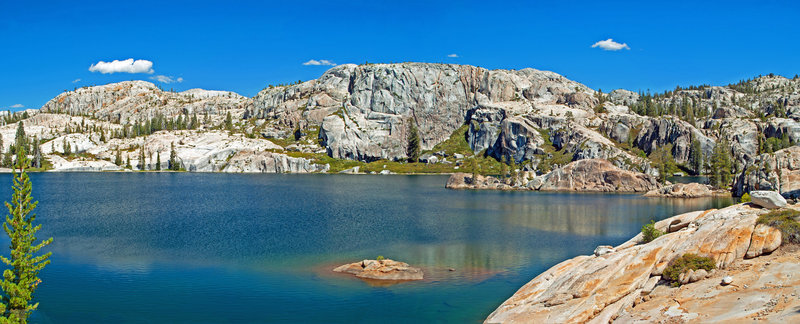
(127, 66)
(320, 62)
(166, 79)
(452, 55)
(17, 106)
(76, 80)
(610, 45)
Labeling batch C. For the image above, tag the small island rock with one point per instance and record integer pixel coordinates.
(385, 269)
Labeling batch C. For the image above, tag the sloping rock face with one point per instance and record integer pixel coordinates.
(595, 175)
(382, 270)
(598, 289)
(778, 171)
(198, 151)
(133, 101)
(682, 190)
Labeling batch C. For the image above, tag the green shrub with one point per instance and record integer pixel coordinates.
(685, 263)
(380, 258)
(746, 197)
(784, 220)
(650, 233)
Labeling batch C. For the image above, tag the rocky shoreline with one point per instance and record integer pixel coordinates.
(591, 175)
(627, 283)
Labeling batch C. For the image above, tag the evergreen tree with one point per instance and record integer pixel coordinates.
(22, 279)
(663, 161)
(158, 161)
(141, 158)
(475, 167)
(128, 162)
(696, 157)
(7, 158)
(1, 146)
(413, 148)
(720, 165)
(102, 136)
(37, 154)
(503, 167)
(20, 140)
(228, 121)
(118, 157)
(67, 150)
(173, 158)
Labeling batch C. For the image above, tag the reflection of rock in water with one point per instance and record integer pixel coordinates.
(472, 262)
(589, 214)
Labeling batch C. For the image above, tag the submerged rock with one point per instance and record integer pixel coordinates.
(385, 269)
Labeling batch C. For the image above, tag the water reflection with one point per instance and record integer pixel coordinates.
(161, 243)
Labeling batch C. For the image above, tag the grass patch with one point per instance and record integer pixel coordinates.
(685, 263)
(457, 143)
(784, 220)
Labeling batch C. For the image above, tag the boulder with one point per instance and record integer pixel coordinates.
(603, 250)
(767, 199)
(385, 269)
(459, 181)
(352, 170)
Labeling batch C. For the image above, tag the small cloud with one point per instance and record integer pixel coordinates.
(610, 45)
(127, 66)
(17, 106)
(320, 62)
(76, 80)
(166, 79)
(452, 55)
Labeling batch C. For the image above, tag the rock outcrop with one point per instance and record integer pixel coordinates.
(778, 171)
(382, 270)
(682, 190)
(134, 101)
(599, 289)
(594, 175)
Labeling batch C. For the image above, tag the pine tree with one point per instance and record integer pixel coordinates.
(37, 154)
(141, 158)
(696, 157)
(475, 170)
(720, 165)
(118, 157)
(173, 158)
(7, 158)
(158, 161)
(228, 121)
(128, 162)
(413, 148)
(20, 140)
(663, 161)
(20, 282)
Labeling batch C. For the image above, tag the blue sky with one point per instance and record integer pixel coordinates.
(47, 47)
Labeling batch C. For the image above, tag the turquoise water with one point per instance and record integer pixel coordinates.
(229, 248)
